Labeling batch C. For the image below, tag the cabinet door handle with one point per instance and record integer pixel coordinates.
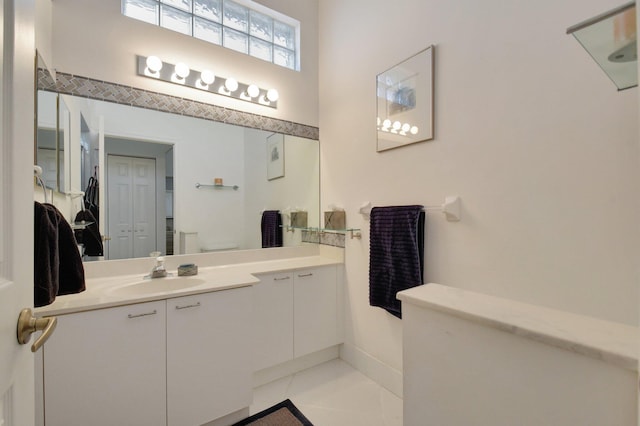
(194, 305)
(305, 275)
(142, 315)
(283, 278)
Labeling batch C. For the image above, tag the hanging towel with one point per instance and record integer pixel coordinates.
(89, 236)
(91, 198)
(45, 254)
(58, 267)
(271, 228)
(396, 254)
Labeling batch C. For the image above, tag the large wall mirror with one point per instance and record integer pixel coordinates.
(149, 163)
(50, 134)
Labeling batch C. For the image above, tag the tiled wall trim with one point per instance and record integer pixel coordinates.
(126, 95)
(327, 238)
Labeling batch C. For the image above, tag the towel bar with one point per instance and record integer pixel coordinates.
(450, 208)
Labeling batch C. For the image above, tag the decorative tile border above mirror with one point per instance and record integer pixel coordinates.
(111, 92)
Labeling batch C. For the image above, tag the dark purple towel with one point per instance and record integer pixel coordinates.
(89, 236)
(271, 228)
(57, 263)
(396, 254)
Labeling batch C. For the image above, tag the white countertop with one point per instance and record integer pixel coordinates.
(103, 292)
(608, 341)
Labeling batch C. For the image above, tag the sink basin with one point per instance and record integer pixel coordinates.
(157, 285)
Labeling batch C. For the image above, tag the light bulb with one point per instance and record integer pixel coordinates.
(386, 124)
(182, 70)
(406, 127)
(272, 95)
(414, 130)
(397, 125)
(207, 77)
(154, 64)
(231, 84)
(253, 91)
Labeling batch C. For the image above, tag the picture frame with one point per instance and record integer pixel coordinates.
(405, 105)
(275, 156)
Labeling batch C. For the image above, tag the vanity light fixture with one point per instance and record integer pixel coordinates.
(253, 91)
(154, 65)
(397, 127)
(206, 78)
(182, 70)
(180, 73)
(231, 84)
(272, 95)
(269, 98)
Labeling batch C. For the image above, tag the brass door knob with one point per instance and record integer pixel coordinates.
(28, 324)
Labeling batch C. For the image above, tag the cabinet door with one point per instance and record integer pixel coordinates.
(315, 318)
(208, 356)
(272, 320)
(107, 367)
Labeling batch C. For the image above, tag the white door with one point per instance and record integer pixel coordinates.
(119, 201)
(17, 56)
(132, 208)
(144, 206)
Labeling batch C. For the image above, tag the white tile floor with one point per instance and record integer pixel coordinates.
(333, 394)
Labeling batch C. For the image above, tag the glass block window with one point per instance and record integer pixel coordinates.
(241, 25)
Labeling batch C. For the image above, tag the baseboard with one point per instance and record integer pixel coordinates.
(381, 373)
(279, 371)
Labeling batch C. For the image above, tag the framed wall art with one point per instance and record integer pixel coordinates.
(275, 156)
(404, 96)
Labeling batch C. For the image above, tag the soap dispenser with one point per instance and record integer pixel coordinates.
(159, 270)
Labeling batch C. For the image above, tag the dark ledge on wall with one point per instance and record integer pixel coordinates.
(126, 95)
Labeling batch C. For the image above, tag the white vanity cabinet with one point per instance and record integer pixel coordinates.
(315, 310)
(295, 314)
(107, 367)
(175, 362)
(273, 320)
(208, 356)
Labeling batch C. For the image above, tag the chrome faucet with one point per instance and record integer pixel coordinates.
(158, 271)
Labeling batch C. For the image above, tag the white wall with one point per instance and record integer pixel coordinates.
(43, 30)
(91, 38)
(531, 134)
